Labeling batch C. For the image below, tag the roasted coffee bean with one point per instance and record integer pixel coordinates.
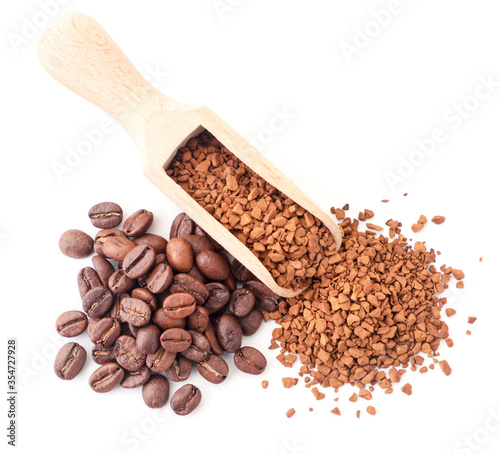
(127, 354)
(139, 261)
(91, 323)
(97, 302)
(158, 243)
(106, 378)
(105, 332)
(104, 235)
(214, 369)
(70, 361)
(218, 297)
(179, 305)
(230, 283)
(71, 323)
(117, 247)
(175, 340)
(103, 268)
(156, 391)
(240, 272)
(265, 298)
(119, 282)
(229, 333)
(199, 231)
(145, 295)
(251, 322)
(199, 243)
(137, 378)
(184, 283)
(115, 311)
(213, 265)
(164, 322)
(250, 360)
(196, 273)
(185, 400)
(198, 320)
(160, 278)
(106, 215)
(148, 339)
(160, 360)
(199, 348)
(180, 255)
(135, 311)
(212, 338)
(87, 279)
(138, 223)
(76, 244)
(182, 225)
(102, 355)
(180, 370)
(241, 302)
(134, 330)
(160, 258)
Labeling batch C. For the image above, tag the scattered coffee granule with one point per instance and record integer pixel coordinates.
(339, 214)
(317, 394)
(480, 259)
(354, 397)
(438, 219)
(431, 366)
(449, 342)
(336, 411)
(445, 367)
(407, 389)
(288, 382)
(265, 384)
(423, 369)
(311, 409)
(385, 200)
(471, 320)
(460, 284)
(289, 241)
(417, 227)
(458, 274)
(371, 410)
(468, 332)
(358, 412)
(449, 311)
(290, 412)
(365, 394)
(346, 207)
(369, 214)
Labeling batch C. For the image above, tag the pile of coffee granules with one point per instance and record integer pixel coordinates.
(374, 312)
(290, 242)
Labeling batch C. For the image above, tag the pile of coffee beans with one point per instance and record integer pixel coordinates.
(154, 308)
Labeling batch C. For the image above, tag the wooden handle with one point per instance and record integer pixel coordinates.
(78, 53)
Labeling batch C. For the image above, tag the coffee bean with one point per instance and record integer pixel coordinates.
(214, 369)
(199, 348)
(105, 332)
(103, 268)
(138, 223)
(104, 235)
(158, 243)
(180, 255)
(115, 311)
(217, 298)
(160, 278)
(230, 283)
(148, 339)
(265, 298)
(251, 322)
(199, 243)
(185, 400)
(119, 282)
(162, 320)
(160, 258)
(156, 391)
(87, 279)
(137, 378)
(135, 311)
(76, 244)
(212, 338)
(127, 354)
(71, 323)
(133, 330)
(145, 295)
(160, 360)
(139, 261)
(106, 378)
(229, 333)
(105, 215)
(179, 305)
(241, 302)
(97, 302)
(182, 225)
(180, 370)
(175, 340)
(213, 265)
(199, 231)
(240, 272)
(196, 273)
(103, 355)
(184, 283)
(198, 320)
(250, 360)
(117, 247)
(70, 361)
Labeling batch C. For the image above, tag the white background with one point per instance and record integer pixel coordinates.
(359, 104)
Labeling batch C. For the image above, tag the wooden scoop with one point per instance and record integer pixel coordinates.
(77, 52)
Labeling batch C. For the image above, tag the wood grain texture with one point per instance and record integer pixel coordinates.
(78, 53)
